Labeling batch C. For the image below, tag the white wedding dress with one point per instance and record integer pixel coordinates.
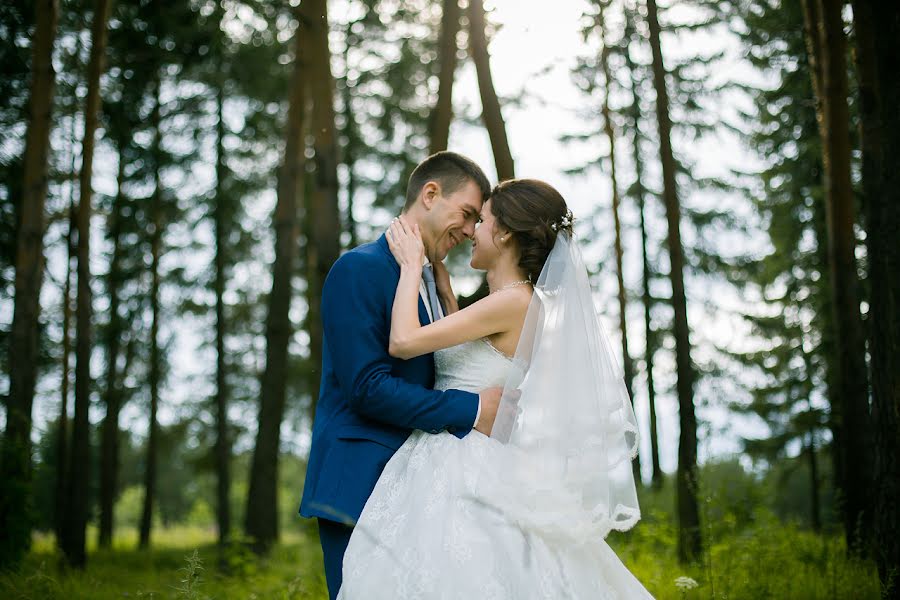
(450, 519)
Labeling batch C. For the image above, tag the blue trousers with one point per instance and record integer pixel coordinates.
(334, 538)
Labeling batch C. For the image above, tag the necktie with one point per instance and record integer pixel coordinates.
(431, 288)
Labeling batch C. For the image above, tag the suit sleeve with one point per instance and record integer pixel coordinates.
(356, 324)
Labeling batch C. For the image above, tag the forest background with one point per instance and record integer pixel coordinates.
(731, 167)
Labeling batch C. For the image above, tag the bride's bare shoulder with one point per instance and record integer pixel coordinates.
(514, 299)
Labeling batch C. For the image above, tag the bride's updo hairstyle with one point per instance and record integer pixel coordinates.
(534, 213)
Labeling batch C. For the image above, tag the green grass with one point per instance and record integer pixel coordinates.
(765, 559)
(762, 558)
(292, 571)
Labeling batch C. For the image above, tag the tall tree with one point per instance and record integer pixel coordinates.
(608, 129)
(878, 62)
(442, 115)
(157, 226)
(222, 449)
(15, 460)
(109, 444)
(490, 104)
(261, 518)
(323, 215)
(798, 400)
(689, 538)
(62, 450)
(826, 53)
(634, 113)
(79, 465)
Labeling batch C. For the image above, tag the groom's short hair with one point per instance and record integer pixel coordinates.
(450, 170)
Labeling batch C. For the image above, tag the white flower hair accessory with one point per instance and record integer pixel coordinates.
(564, 223)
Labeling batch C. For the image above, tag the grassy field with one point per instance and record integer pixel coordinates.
(767, 559)
(184, 563)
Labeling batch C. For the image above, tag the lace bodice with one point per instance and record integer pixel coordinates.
(471, 367)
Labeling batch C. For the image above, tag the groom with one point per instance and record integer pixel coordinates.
(369, 402)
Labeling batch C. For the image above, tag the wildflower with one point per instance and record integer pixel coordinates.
(684, 583)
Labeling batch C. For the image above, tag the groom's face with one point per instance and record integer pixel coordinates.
(451, 218)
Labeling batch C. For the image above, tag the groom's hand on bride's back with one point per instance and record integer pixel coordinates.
(490, 400)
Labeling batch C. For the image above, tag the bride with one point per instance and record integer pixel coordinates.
(523, 513)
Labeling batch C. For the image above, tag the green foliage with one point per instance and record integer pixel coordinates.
(788, 371)
(16, 19)
(751, 553)
(386, 76)
(188, 590)
(180, 567)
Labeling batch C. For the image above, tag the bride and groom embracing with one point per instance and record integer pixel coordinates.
(475, 453)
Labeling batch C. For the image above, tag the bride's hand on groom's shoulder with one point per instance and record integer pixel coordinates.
(405, 241)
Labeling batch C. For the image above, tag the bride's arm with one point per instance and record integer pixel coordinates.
(497, 313)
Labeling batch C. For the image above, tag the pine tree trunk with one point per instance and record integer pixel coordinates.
(109, 448)
(491, 114)
(814, 509)
(646, 298)
(825, 318)
(155, 355)
(878, 33)
(825, 39)
(689, 540)
(627, 363)
(324, 217)
(442, 115)
(809, 448)
(15, 460)
(261, 520)
(62, 448)
(222, 448)
(650, 348)
(79, 469)
(350, 134)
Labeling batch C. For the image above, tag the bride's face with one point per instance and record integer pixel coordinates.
(485, 242)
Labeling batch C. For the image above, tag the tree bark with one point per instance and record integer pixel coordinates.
(351, 135)
(490, 111)
(261, 521)
(650, 348)
(814, 509)
(627, 363)
(62, 448)
(109, 449)
(825, 310)
(15, 461)
(222, 448)
(647, 300)
(689, 539)
(79, 469)
(442, 115)
(827, 47)
(155, 355)
(324, 216)
(878, 54)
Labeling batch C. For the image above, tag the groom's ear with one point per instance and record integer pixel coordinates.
(430, 192)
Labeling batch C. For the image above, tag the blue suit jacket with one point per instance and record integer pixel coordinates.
(369, 402)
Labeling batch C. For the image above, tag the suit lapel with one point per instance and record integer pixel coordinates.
(382, 243)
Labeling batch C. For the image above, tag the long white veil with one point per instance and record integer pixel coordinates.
(565, 413)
